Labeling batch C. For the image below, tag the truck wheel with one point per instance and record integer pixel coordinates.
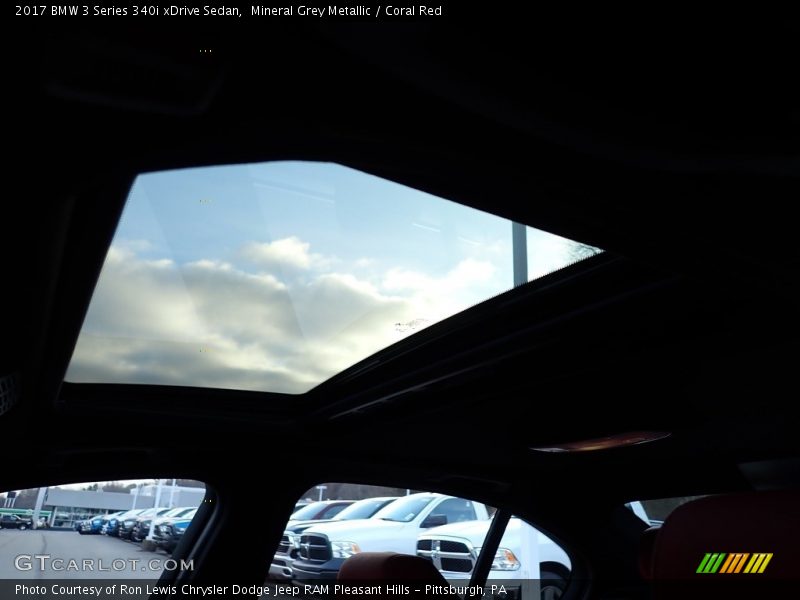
(554, 578)
(23, 527)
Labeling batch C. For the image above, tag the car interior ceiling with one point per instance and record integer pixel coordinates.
(680, 161)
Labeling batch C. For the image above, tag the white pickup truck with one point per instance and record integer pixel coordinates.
(524, 555)
(396, 527)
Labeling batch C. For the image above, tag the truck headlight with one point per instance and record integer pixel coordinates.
(344, 549)
(504, 560)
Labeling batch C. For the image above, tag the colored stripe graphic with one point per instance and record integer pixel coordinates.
(711, 562)
(758, 563)
(716, 564)
(721, 562)
(766, 562)
(703, 563)
(741, 562)
(754, 563)
(737, 563)
(727, 564)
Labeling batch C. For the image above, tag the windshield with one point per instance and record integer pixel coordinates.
(404, 510)
(308, 512)
(362, 509)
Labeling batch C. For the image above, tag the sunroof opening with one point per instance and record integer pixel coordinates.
(276, 276)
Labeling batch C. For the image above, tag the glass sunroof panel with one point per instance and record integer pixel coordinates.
(276, 276)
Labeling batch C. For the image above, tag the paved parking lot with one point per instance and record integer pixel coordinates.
(68, 546)
(74, 556)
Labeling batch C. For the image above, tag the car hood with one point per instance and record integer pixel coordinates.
(294, 525)
(168, 520)
(476, 532)
(336, 529)
(470, 529)
(181, 523)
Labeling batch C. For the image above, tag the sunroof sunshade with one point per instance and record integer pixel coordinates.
(276, 276)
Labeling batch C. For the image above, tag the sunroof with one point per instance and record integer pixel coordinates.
(276, 276)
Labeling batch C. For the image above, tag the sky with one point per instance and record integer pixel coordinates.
(276, 276)
(84, 485)
(81, 486)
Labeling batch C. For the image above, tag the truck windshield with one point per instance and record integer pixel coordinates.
(308, 512)
(363, 509)
(403, 510)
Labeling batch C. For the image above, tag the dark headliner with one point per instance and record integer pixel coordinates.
(676, 153)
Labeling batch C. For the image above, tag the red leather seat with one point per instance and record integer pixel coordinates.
(715, 547)
(646, 549)
(368, 566)
(391, 568)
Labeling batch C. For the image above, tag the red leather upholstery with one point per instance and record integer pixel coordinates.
(389, 566)
(647, 547)
(751, 523)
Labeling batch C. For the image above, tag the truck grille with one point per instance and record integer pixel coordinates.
(447, 555)
(450, 546)
(285, 546)
(315, 547)
(457, 565)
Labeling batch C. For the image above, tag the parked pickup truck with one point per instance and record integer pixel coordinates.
(323, 548)
(111, 523)
(281, 566)
(94, 525)
(170, 531)
(524, 554)
(127, 526)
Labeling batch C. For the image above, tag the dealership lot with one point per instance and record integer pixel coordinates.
(73, 556)
(23, 547)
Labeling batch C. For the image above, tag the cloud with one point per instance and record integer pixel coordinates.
(469, 282)
(288, 252)
(213, 323)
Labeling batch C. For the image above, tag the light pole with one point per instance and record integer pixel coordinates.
(321, 489)
(155, 510)
(136, 494)
(38, 508)
(519, 246)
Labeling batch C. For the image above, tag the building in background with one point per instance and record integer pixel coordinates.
(65, 507)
